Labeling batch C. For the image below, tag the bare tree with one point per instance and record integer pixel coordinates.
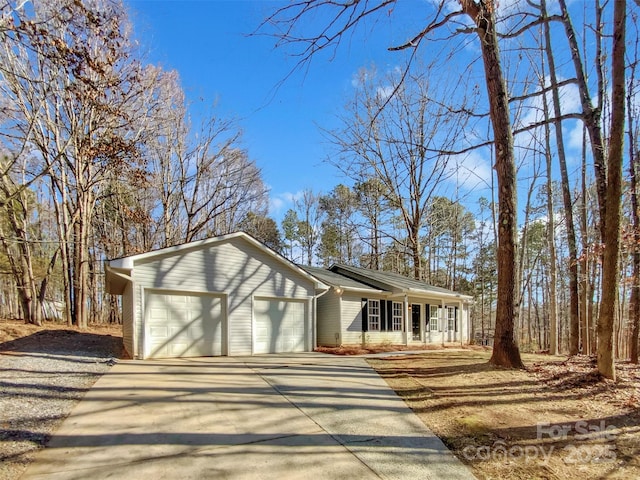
(73, 88)
(201, 181)
(308, 227)
(398, 141)
(610, 218)
(483, 14)
(373, 205)
(574, 321)
(634, 186)
(345, 17)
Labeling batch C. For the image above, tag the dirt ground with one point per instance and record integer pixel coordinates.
(56, 333)
(557, 420)
(44, 372)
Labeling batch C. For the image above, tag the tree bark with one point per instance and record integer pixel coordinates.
(634, 302)
(505, 350)
(613, 189)
(551, 242)
(574, 320)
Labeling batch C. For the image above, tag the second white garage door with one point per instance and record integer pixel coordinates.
(279, 326)
(183, 325)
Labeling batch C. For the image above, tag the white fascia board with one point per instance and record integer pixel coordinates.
(128, 262)
(455, 296)
(364, 290)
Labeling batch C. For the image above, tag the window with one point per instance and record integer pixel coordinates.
(397, 317)
(433, 318)
(373, 309)
(451, 319)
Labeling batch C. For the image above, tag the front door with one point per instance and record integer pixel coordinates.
(415, 321)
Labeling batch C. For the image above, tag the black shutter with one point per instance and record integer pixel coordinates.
(365, 315)
(455, 319)
(383, 316)
(427, 316)
(390, 316)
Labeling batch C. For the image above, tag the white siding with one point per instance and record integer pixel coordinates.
(234, 267)
(353, 334)
(389, 338)
(464, 323)
(437, 337)
(352, 324)
(128, 319)
(352, 319)
(280, 326)
(329, 320)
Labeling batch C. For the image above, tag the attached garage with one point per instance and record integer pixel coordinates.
(279, 326)
(228, 295)
(183, 325)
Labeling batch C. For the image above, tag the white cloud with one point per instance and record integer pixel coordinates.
(471, 171)
(281, 202)
(575, 136)
(385, 92)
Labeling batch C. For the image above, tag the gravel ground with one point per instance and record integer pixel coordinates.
(42, 377)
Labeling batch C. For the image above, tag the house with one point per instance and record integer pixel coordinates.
(374, 307)
(228, 295)
(232, 295)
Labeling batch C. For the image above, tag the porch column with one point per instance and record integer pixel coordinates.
(406, 319)
(443, 309)
(459, 322)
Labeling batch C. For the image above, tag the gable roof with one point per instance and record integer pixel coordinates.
(393, 282)
(336, 280)
(118, 269)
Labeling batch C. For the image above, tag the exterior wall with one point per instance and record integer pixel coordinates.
(465, 322)
(233, 267)
(352, 324)
(128, 320)
(351, 310)
(329, 320)
(443, 335)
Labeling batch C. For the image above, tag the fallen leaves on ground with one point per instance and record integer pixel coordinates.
(557, 419)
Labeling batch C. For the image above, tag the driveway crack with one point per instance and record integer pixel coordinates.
(337, 438)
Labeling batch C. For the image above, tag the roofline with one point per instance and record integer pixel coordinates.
(405, 291)
(366, 280)
(459, 296)
(127, 263)
(363, 290)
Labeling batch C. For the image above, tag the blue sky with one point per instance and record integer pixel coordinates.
(207, 43)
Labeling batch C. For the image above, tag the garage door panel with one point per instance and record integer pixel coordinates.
(279, 326)
(184, 325)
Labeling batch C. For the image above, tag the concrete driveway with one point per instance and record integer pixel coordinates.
(309, 416)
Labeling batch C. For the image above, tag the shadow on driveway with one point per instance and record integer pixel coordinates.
(289, 416)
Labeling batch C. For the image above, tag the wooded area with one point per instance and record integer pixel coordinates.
(100, 159)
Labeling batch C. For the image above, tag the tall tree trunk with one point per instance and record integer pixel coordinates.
(505, 350)
(585, 291)
(551, 242)
(634, 302)
(613, 189)
(591, 115)
(574, 320)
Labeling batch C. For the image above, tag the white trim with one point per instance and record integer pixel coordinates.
(129, 262)
(224, 328)
(378, 315)
(306, 301)
(365, 290)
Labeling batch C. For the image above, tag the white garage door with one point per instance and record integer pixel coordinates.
(279, 326)
(183, 325)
